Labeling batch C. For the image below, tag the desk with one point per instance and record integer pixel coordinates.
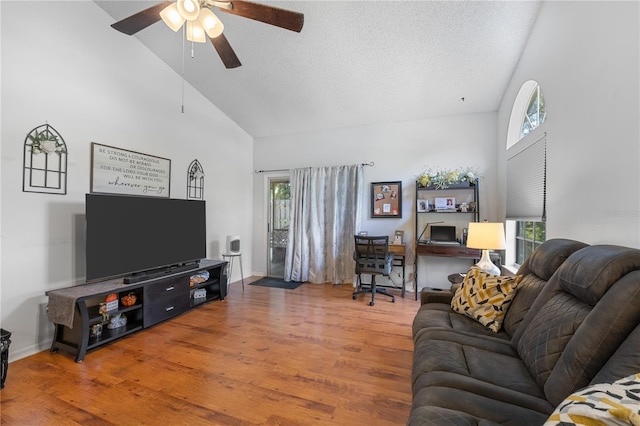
(442, 250)
(398, 251)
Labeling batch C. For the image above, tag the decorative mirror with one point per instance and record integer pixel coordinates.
(195, 181)
(45, 161)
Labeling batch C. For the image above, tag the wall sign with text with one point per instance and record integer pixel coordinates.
(120, 171)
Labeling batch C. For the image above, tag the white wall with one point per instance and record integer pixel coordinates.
(400, 151)
(585, 56)
(92, 84)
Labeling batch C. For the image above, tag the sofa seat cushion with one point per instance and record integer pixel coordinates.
(441, 316)
(429, 415)
(490, 390)
(489, 343)
(485, 297)
(433, 404)
(480, 359)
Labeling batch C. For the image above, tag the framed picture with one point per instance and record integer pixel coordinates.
(422, 206)
(398, 237)
(445, 203)
(386, 199)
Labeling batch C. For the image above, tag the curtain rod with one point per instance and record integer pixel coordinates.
(370, 163)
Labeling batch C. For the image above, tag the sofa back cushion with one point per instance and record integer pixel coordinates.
(536, 271)
(585, 312)
(624, 362)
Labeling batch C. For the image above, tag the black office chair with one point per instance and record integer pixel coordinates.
(372, 257)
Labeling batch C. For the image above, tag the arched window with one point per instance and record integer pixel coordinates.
(535, 113)
(526, 173)
(528, 113)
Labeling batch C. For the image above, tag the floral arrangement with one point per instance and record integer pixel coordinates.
(442, 179)
(45, 142)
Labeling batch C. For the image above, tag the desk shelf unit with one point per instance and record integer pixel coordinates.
(157, 299)
(463, 193)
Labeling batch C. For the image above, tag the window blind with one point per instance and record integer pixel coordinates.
(527, 180)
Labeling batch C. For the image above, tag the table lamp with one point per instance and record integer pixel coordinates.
(486, 236)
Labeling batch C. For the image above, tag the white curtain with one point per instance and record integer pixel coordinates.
(325, 214)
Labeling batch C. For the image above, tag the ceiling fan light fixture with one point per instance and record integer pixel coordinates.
(211, 23)
(189, 9)
(172, 17)
(195, 32)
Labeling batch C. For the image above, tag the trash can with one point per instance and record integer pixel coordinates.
(5, 341)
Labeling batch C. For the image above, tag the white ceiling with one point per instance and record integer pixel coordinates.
(354, 63)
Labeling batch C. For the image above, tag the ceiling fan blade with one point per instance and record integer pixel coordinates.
(140, 20)
(282, 18)
(228, 56)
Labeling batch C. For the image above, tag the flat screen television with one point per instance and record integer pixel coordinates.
(129, 236)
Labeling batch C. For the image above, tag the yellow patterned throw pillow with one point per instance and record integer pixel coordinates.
(616, 403)
(485, 297)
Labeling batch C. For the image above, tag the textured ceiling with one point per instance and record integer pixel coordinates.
(354, 63)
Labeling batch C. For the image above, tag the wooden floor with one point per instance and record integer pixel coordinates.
(310, 356)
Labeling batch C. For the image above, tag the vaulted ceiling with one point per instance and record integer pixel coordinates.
(354, 63)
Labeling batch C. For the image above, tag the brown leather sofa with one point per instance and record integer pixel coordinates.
(574, 321)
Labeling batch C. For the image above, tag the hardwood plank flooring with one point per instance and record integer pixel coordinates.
(265, 356)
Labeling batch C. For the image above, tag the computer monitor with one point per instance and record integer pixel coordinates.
(443, 234)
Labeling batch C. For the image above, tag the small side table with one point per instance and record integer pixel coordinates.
(435, 295)
(398, 251)
(231, 257)
(455, 279)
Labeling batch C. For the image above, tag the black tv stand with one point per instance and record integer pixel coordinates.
(161, 272)
(75, 310)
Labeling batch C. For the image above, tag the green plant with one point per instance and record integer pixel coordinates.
(46, 142)
(442, 179)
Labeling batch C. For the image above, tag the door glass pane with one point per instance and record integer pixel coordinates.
(279, 204)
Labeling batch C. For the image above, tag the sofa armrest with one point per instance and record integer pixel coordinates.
(435, 295)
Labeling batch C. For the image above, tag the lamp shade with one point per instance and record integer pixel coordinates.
(486, 236)
(172, 17)
(189, 9)
(195, 32)
(210, 22)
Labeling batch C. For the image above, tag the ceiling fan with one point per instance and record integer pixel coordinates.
(202, 23)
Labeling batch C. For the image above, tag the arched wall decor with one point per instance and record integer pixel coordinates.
(45, 161)
(195, 181)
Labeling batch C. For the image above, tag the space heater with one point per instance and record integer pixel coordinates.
(233, 244)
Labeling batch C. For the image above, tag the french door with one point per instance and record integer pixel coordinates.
(278, 225)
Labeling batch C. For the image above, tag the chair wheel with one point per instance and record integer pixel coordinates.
(354, 297)
(393, 300)
(372, 303)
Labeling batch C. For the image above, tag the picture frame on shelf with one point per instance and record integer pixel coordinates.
(422, 206)
(445, 203)
(386, 199)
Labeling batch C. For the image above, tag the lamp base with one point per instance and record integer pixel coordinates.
(486, 265)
